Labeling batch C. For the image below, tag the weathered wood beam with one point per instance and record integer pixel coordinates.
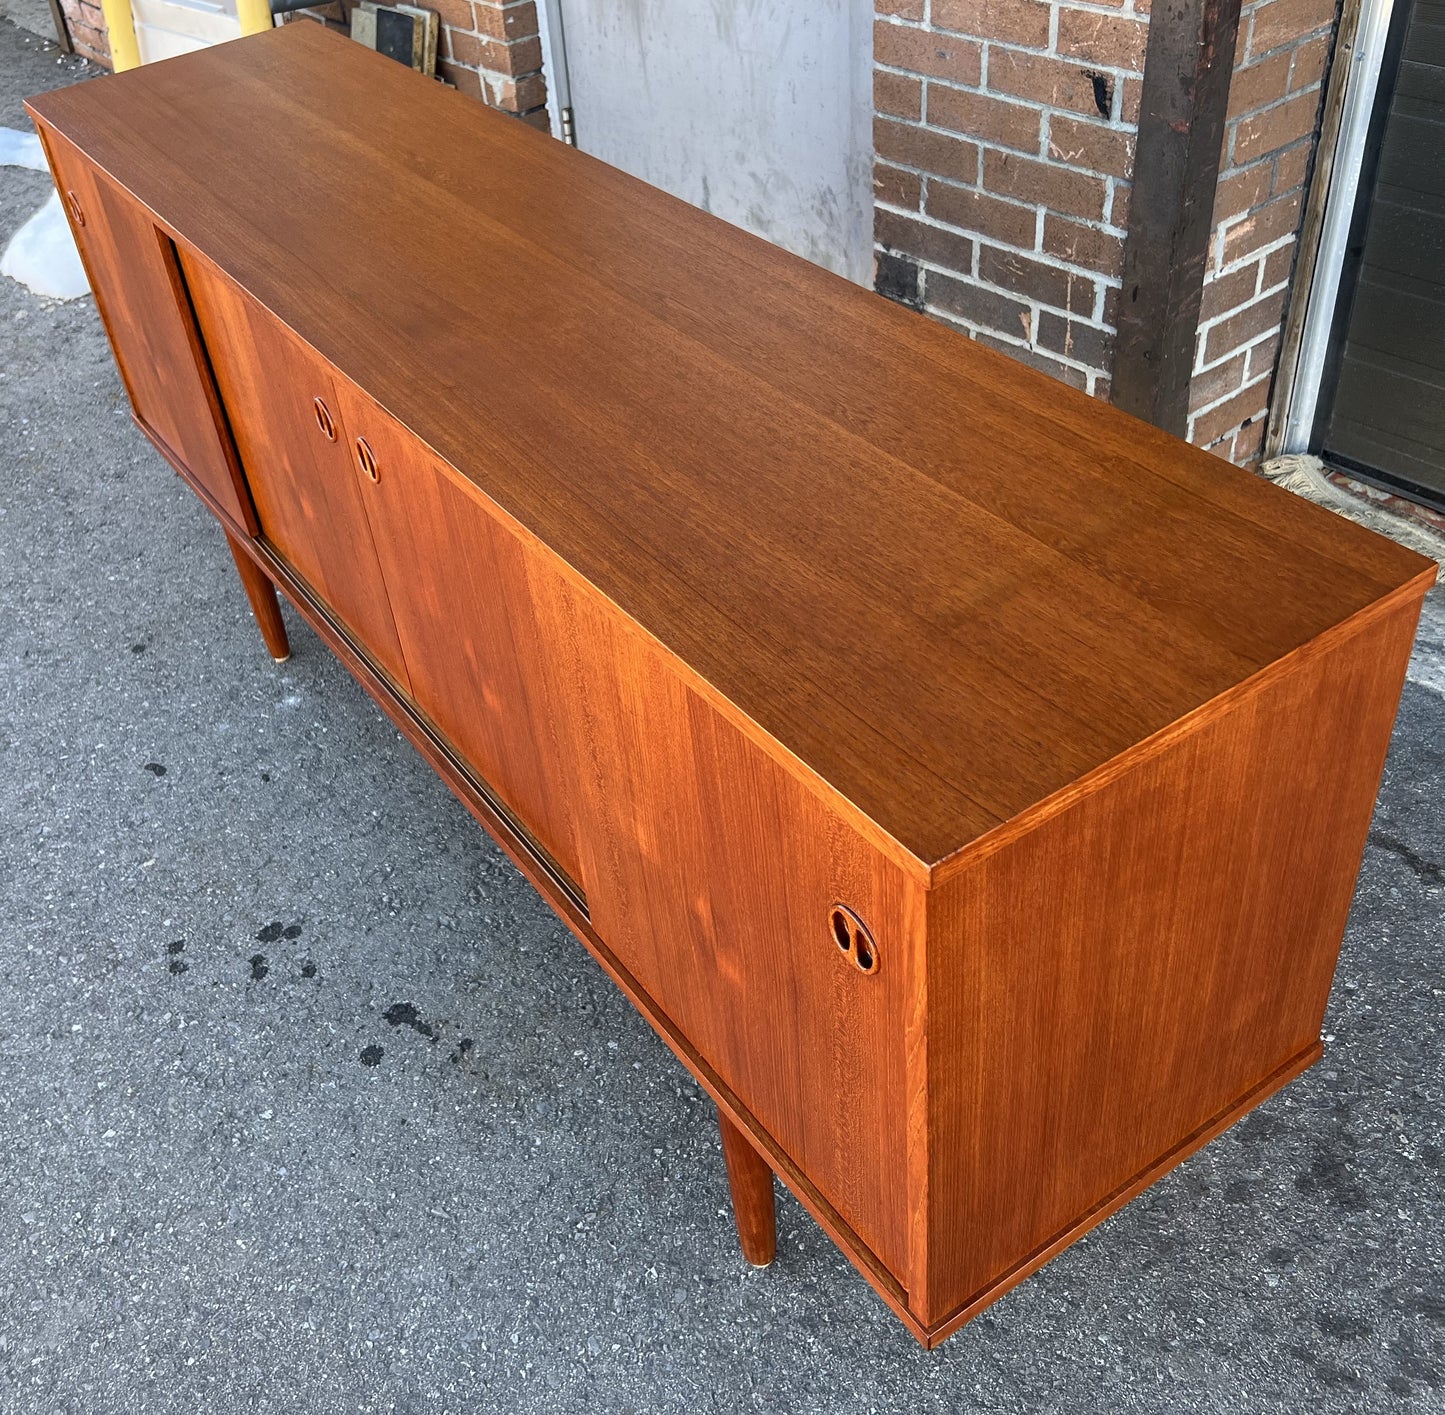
(1187, 70)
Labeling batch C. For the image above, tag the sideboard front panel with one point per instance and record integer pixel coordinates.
(713, 874)
(709, 870)
(287, 421)
(132, 269)
(479, 662)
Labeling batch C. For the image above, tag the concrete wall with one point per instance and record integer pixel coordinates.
(758, 113)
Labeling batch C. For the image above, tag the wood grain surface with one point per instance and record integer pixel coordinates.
(967, 781)
(1102, 988)
(708, 868)
(261, 594)
(133, 275)
(940, 586)
(751, 1183)
(306, 487)
(481, 665)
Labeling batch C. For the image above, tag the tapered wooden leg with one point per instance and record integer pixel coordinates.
(751, 1182)
(262, 594)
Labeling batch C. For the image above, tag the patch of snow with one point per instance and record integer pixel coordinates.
(42, 255)
(19, 149)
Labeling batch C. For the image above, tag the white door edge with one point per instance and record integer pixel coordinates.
(1363, 81)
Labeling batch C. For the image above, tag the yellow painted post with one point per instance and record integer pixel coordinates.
(254, 15)
(120, 30)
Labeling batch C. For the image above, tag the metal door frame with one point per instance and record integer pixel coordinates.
(554, 69)
(1350, 111)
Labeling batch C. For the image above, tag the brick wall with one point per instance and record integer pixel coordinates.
(1274, 106)
(1004, 140)
(86, 24)
(491, 50)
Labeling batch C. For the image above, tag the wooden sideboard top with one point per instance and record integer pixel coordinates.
(948, 585)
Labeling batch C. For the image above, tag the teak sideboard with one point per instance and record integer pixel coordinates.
(966, 780)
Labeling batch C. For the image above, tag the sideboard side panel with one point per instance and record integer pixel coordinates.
(132, 269)
(1105, 987)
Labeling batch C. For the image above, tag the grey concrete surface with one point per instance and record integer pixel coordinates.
(32, 16)
(225, 888)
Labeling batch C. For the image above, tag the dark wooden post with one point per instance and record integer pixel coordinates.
(1187, 70)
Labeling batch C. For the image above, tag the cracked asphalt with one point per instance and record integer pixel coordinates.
(308, 1104)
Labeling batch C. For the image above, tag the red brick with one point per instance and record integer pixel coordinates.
(525, 55)
(1129, 101)
(84, 36)
(516, 95)
(977, 115)
(1278, 266)
(1310, 62)
(1228, 292)
(1111, 307)
(1277, 127)
(1080, 144)
(1270, 223)
(930, 243)
(1084, 343)
(467, 81)
(1079, 244)
(973, 210)
(898, 95)
(1262, 357)
(1247, 404)
(1238, 329)
(1216, 383)
(1003, 21)
(938, 56)
(1042, 79)
(538, 119)
(978, 305)
(1063, 289)
(1119, 206)
(936, 153)
(897, 187)
(1291, 168)
(453, 14)
(904, 9)
(1113, 41)
(509, 22)
(1061, 371)
(1281, 22)
(479, 53)
(1242, 190)
(1060, 189)
(1248, 443)
(461, 47)
(1259, 84)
